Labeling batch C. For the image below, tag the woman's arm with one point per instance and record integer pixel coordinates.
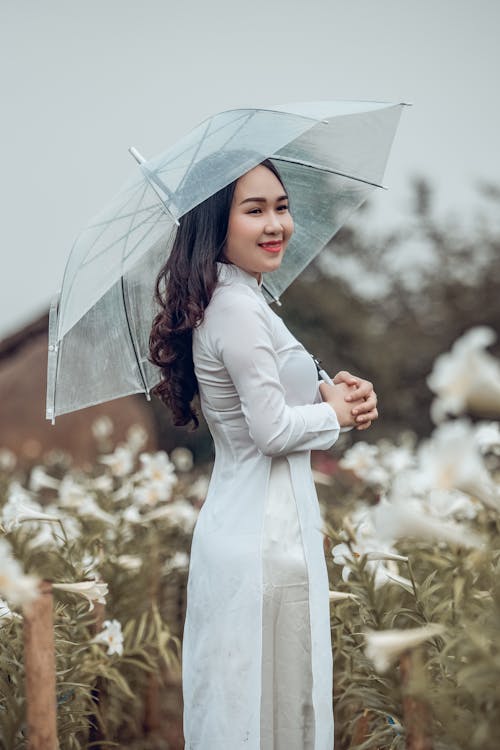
(240, 332)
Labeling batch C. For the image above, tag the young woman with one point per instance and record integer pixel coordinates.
(257, 662)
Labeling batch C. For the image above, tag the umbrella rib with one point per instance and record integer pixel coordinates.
(143, 236)
(181, 153)
(132, 216)
(116, 217)
(112, 244)
(132, 341)
(245, 119)
(193, 157)
(104, 226)
(311, 165)
(231, 137)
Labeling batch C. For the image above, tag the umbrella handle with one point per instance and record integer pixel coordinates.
(321, 372)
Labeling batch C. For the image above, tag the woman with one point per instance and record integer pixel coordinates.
(257, 664)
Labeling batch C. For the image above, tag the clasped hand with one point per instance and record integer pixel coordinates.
(353, 400)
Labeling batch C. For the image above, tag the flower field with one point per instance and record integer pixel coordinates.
(95, 561)
(113, 543)
(414, 570)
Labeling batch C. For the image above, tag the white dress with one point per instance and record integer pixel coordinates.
(256, 659)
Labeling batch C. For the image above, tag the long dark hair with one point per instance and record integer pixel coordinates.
(184, 287)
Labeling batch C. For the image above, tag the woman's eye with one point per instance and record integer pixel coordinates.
(285, 207)
(280, 208)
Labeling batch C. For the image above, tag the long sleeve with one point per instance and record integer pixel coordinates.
(242, 337)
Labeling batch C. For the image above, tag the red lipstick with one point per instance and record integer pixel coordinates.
(272, 247)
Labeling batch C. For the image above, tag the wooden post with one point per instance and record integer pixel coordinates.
(416, 713)
(40, 668)
(151, 720)
(361, 729)
(96, 734)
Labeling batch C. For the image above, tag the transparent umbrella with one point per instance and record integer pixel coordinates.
(330, 155)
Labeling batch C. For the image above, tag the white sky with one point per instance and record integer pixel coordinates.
(81, 81)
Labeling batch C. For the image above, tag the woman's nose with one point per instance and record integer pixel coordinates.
(273, 225)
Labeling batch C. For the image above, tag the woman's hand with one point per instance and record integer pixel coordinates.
(364, 413)
(338, 398)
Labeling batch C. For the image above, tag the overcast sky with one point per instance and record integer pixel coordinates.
(83, 80)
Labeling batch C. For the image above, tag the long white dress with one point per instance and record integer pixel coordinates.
(256, 655)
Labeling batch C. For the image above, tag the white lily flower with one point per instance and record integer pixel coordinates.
(103, 483)
(93, 591)
(89, 508)
(383, 647)
(383, 573)
(8, 460)
(131, 515)
(6, 614)
(467, 377)
(157, 479)
(120, 462)
(406, 519)
(178, 561)
(18, 589)
(111, 635)
(129, 562)
(180, 513)
(395, 458)
(451, 460)
(381, 557)
(341, 596)
(199, 488)
(321, 478)
(44, 537)
(71, 493)
(182, 459)
(150, 494)
(125, 491)
(102, 428)
(137, 437)
(39, 480)
(450, 504)
(19, 508)
(363, 460)
(157, 467)
(487, 437)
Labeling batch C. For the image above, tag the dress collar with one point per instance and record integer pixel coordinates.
(227, 272)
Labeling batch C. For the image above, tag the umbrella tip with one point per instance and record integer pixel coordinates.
(137, 156)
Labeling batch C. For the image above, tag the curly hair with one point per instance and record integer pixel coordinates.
(183, 290)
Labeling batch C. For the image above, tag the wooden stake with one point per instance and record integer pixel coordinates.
(361, 729)
(40, 668)
(151, 720)
(416, 713)
(96, 734)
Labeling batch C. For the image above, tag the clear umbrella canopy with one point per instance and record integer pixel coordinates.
(330, 156)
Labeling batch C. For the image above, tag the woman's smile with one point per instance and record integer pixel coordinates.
(272, 247)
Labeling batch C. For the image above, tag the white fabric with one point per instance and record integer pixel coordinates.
(259, 394)
(286, 714)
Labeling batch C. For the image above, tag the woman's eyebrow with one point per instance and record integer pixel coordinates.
(263, 200)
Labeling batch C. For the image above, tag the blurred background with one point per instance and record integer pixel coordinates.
(412, 270)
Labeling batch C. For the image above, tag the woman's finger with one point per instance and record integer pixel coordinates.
(363, 390)
(366, 406)
(364, 418)
(345, 377)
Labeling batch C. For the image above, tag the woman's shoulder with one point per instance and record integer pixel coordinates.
(232, 305)
(236, 297)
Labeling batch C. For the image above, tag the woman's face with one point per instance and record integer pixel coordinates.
(260, 223)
